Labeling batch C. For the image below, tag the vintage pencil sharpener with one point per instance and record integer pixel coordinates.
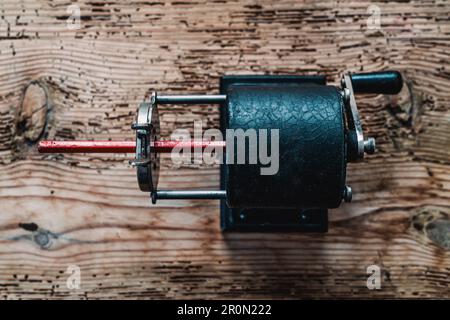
(318, 128)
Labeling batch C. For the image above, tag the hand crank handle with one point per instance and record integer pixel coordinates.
(386, 82)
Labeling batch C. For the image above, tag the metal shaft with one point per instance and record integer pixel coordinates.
(190, 194)
(121, 146)
(191, 99)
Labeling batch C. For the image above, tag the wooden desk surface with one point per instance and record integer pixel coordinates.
(86, 210)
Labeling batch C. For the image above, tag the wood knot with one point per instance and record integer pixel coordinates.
(31, 119)
(439, 232)
(434, 223)
(42, 237)
(32, 116)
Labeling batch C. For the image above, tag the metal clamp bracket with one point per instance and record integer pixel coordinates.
(357, 145)
(147, 130)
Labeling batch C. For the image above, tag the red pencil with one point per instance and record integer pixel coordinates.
(50, 146)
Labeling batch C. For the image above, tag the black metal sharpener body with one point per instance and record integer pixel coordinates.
(272, 202)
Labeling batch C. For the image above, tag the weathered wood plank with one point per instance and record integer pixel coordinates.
(56, 211)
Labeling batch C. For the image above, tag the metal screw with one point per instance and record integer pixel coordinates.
(347, 194)
(153, 97)
(369, 145)
(346, 94)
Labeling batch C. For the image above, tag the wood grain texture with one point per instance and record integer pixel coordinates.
(57, 211)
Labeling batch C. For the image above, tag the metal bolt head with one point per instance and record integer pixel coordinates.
(348, 194)
(345, 94)
(153, 97)
(369, 145)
